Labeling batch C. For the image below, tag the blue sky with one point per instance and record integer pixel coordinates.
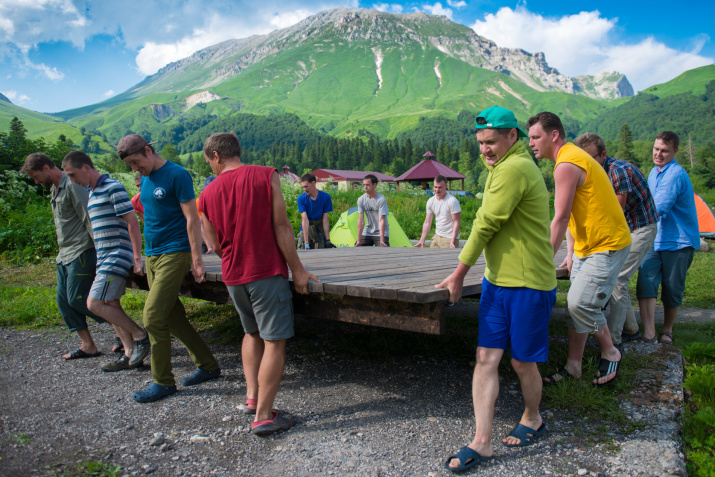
(62, 54)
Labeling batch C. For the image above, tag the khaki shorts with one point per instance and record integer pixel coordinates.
(442, 242)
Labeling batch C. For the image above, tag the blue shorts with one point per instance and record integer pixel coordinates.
(516, 318)
(669, 268)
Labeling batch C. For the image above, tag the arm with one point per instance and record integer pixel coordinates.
(305, 223)
(383, 220)
(210, 231)
(621, 200)
(425, 230)
(285, 238)
(135, 235)
(326, 227)
(666, 194)
(194, 231)
(457, 218)
(361, 226)
(566, 179)
(455, 282)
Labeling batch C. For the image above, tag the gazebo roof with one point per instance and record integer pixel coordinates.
(341, 175)
(428, 170)
(289, 175)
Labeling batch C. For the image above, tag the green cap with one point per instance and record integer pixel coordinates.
(498, 118)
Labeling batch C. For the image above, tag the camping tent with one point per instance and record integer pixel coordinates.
(706, 220)
(344, 233)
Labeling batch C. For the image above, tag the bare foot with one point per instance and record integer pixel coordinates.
(486, 451)
(561, 374)
(614, 358)
(531, 424)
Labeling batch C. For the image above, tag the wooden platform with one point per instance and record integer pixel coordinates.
(386, 287)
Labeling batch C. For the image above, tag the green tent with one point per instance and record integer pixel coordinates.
(344, 233)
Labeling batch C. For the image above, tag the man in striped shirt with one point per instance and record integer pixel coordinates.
(118, 241)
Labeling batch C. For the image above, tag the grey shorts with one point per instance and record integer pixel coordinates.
(592, 281)
(107, 287)
(265, 306)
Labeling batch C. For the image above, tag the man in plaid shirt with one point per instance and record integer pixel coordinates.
(633, 194)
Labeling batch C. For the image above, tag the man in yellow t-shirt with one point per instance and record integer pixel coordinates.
(599, 241)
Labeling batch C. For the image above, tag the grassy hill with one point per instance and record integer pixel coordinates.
(692, 81)
(37, 124)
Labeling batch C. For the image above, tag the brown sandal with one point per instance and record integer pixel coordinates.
(669, 335)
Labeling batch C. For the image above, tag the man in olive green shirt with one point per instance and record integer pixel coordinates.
(519, 288)
(77, 259)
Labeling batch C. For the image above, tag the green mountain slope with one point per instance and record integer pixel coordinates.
(692, 81)
(37, 124)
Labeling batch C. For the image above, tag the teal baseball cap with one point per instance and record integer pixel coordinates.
(498, 118)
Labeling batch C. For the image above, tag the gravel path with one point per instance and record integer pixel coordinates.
(400, 416)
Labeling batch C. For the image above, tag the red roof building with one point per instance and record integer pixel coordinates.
(427, 170)
(287, 174)
(347, 179)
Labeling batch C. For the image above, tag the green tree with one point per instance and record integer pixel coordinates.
(169, 153)
(625, 144)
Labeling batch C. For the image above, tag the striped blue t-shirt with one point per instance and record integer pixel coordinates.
(107, 203)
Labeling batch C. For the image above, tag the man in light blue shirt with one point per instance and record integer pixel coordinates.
(678, 236)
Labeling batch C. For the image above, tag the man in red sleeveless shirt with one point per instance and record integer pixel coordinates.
(245, 218)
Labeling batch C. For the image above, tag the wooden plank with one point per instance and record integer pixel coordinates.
(421, 318)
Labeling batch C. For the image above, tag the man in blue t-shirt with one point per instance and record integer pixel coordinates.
(314, 205)
(172, 237)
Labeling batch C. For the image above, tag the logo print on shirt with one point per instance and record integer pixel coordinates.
(159, 193)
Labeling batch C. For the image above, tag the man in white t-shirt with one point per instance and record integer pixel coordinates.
(445, 207)
(373, 229)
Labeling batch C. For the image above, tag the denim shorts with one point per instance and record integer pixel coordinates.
(516, 318)
(669, 268)
(265, 306)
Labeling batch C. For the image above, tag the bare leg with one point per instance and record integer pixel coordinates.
(251, 355)
(87, 345)
(269, 377)
(608, 351)
(669, 316)
(531, 384)
(647, 310)
(577, 345)
(485, 389)
(114, 314)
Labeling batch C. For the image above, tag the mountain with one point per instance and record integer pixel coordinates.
(692, 81)
(37, 124)
(350, 71)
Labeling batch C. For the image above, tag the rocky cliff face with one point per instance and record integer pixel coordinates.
(376, 29)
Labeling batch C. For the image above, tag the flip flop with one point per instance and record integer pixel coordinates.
(281, 421)
(606, 367)
(79, 354)
(526, 435)
(563, 372)
(669, 335)
(468, 458)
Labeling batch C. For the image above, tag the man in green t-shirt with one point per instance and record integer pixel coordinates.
(519, 286)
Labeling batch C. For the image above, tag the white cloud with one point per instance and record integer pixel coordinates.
(15, 97)
(459, 4)
(286, 19)
(388, 7)
(583, 44)
(50, 72)
(437, 9)
(109, 94)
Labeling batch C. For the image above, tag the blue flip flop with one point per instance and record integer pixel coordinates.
(468, 458)
(526, 435)
(153, 392)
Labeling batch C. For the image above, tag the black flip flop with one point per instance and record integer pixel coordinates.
(606, 367)
(79, 354)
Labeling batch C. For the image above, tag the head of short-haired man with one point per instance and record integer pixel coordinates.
(440, 187)
(138, 181)
(546, 135)
(665, 148)
(139, 154)
(369, 183)
(79, 168)
(308, 183)
(41, 169)
(593, 144)
(497, 132)
(221, 150)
